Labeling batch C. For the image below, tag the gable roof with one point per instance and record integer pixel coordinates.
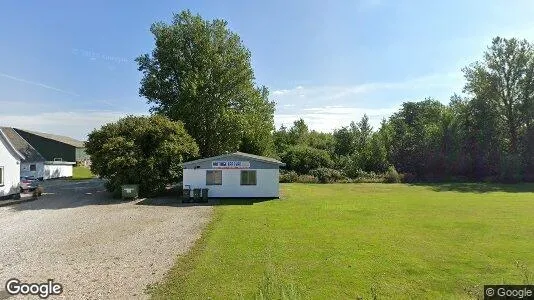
(242, 154)
(29, 154)
(10, 145)
(59, 138)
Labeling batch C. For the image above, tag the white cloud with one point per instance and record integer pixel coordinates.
(280, 92)
(325, 108)
(452, 80)
(73, 124)
(328, 118)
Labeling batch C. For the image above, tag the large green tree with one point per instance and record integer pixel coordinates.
(505, 80)
(417, 137)
(200, 73)
(140, 150)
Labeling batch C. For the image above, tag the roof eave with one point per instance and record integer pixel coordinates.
(22, 157)
(279, 163)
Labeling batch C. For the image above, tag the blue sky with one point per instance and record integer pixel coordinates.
(67, 68)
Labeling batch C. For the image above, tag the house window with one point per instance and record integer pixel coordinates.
(248, 177)
(33, 168)
(213, 177)
(1, 176)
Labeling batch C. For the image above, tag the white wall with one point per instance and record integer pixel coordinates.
(38, 173)
(52, 171)
(11, 170)
(266, 183)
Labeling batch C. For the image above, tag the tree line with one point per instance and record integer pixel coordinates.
(486, 134)
(201, 87)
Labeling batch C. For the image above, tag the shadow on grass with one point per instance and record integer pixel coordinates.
(177, 202)
(473, 187)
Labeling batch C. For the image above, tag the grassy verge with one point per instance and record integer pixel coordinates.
(81, 173)
(361, 240)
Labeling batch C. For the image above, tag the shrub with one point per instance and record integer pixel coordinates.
(307, 179)
(303, 159)
(140, 150)
(392, 176)
(326, 175)
(288, 176)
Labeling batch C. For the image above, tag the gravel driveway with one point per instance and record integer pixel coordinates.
(97, 248)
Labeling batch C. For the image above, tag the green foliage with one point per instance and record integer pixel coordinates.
(140, 150)
(344, 141)
(302, 159)
(505, 78)
(409, 178)
(200, 73)
(511, 169)
(327, 175)
(392, 176)
(417, 136)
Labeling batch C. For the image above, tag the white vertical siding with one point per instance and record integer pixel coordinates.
(11, 181)
(52, 171)
(266, 183)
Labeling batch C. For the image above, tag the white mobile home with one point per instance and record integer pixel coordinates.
(9, 167)
(234, 175)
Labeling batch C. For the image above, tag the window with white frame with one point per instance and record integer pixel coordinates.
(248, 177)
(1, 176)
(213, 177)
(33, 168)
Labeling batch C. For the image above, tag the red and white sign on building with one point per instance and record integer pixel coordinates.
(229, 164)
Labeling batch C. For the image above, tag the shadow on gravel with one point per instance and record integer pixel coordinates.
(479, 187)
(177, 202)
(60, 194)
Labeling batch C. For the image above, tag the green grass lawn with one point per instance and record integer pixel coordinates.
(80, 173)
(342, 241)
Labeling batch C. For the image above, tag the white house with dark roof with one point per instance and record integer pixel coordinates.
(9, 167)
(32, 163)
(234, 175)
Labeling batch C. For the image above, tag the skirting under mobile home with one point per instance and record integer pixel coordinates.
(234, 175)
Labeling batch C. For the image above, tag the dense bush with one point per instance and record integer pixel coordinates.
(288, 176)
(327, 175)
(392, 176)
(307, 179)
(292, 177)
(302, 159)
(140, 150)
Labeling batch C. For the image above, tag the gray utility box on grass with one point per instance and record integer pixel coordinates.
(130, 191)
